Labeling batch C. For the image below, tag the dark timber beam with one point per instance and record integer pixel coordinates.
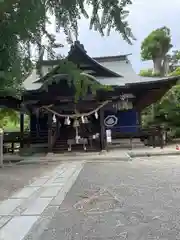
(102, 130)
(49, 132)
(21, 129)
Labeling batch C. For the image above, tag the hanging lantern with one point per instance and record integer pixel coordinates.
(54, 118)
(76, 123)
(96, 115)
(67, 121)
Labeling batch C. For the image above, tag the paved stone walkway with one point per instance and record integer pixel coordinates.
(138, 200)
(110, 200)
(37, 201)
(13, 177)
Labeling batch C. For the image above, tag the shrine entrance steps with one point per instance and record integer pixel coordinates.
(62, 146)
(38, 139)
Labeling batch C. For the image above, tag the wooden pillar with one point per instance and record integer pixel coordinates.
(21, 130)
(33, 128)
(161, 137)
(139, 118)
(102, 130)
(139, 122)
(49, 132)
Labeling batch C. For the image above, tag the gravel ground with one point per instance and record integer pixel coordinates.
(16, 177)
(135, 200)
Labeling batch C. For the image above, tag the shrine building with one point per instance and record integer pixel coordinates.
(60, 124)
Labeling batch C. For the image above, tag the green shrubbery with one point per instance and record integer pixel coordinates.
(10, 120)
(148, 73)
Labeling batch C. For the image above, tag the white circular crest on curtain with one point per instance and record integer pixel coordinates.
(110, 121)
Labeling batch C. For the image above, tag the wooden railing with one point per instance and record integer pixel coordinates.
(153, 136)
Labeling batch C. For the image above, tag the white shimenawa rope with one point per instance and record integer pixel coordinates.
(76, 115)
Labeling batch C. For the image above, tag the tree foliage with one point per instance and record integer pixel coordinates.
(174, 60)
(155, 47)
(82, 82)
(176, 72)
(148, 73)
(23, 24)
(8, 115)
(156, 44)
(166, 111)
(10, 120)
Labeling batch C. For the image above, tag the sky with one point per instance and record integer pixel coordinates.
(144, 17)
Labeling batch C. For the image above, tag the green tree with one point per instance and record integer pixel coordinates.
(166, 111)
(169, 108)
(174, 60)
(155, 47)
(8, 117)
(176, 72)
(22, 25)
(148, 73)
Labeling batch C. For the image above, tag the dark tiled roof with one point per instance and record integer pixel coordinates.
(111, 58)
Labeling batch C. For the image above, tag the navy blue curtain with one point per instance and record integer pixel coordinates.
(127, 121)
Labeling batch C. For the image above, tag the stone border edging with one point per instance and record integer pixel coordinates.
(49, 161)
(153, 154)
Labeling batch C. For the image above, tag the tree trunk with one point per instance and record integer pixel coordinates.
(157, 66)
(165, 66)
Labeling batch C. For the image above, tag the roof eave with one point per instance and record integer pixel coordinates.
(160, 80)
(122, 57)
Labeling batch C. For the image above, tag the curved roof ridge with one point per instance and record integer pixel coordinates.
(113, 57)
(117, 74)
(82, 49)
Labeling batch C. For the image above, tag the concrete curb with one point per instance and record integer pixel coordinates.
(129, 156)
(58, 160)
(151, 154)
(38, 162)
(128, 159)
(12, 161)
